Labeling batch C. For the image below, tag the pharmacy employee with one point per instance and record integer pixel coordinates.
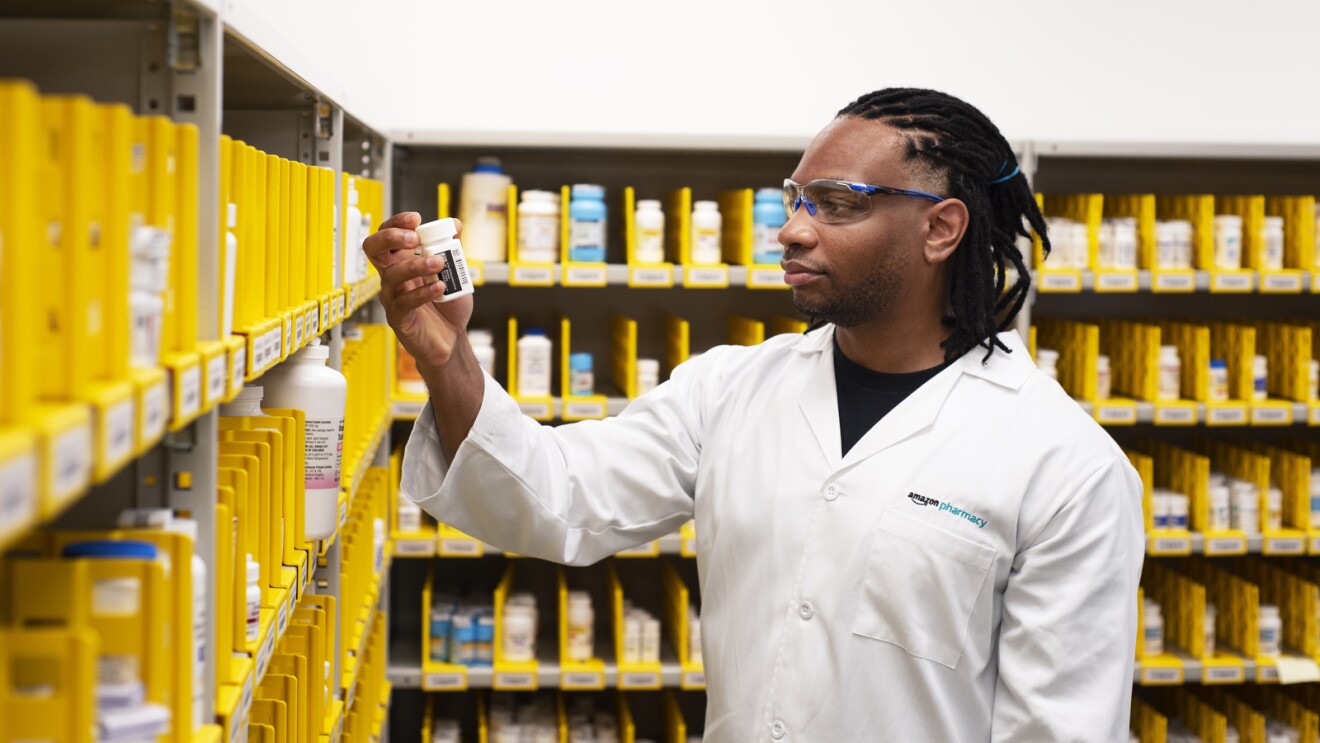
(906, 532)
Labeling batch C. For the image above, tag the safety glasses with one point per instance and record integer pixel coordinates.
(833, 201)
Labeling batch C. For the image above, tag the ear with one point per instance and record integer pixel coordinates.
(947, 223)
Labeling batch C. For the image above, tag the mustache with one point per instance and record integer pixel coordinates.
(792, 255)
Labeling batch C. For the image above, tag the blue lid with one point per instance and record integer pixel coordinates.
(112, 549)
(588, 191)
(534, 331)
(488, 165)
(769, 195)
(579, 361)
(1218, 364)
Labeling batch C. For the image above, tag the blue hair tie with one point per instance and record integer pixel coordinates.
(997, 181)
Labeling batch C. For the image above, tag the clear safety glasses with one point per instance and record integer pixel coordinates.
(833, 201)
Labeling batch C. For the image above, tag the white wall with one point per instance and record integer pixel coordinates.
(1121, 70)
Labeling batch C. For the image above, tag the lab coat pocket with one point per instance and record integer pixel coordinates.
(920, 587)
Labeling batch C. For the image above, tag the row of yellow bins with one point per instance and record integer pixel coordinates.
(669, 716)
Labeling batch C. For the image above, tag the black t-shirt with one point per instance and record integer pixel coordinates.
(866, 396)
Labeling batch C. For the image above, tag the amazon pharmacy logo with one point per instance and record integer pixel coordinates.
(922, 500)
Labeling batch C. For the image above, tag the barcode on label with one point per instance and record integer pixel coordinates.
(582, 680)
(190, 391)
(442, 681)
(238, 369)
(639, 680)
(71, 466)
(313, 324)
(215, 378)
(154, 404)
(1224, 674)
(1161, 675)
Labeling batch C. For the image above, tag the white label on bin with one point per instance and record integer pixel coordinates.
(1115, 413)
(533, 274)
(1284, 546)
(694, 679)
(582, 680)
(1174, 282)
(71, 465)
(413, 547)
(238, 369)
(283, 616)
(190, 391)
(18, 489)
(155, 410)
(766, 277)
(1120, 281)
(658, 276)
(591, 275)
(1161, 675)
(1267, 673)
(118, 430)
(583, 409)
(1231, 282)
(264, 653)
(1174, 415)
(460, 547)
(215, 378)
(1224, 675)
(507, 680)
(715, 276)
(1226, 416)
(1060, 282)
(443, 681)
(1281, 282)
(637, 680)
(313, 323)
(1225, 545)
(1271, 416)
(1171, 545)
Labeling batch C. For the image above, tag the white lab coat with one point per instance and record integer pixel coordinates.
(968, 572)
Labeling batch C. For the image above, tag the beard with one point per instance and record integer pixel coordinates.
(850, 304)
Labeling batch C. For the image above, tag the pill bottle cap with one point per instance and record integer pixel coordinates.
(706, 206)
(648, 205)
(579, 361)
(487, 164)
(769, 195)
(440, 229)
(545, 196)
(480, 337)
(648, 366)
(314, 352)
(111, 549)
(250, 393)
(253, 570)
(1218, 364)
(588, 191)
(534, 332)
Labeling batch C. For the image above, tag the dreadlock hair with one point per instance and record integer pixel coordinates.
(954, 139)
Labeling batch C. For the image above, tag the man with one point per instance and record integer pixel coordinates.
(905, 531)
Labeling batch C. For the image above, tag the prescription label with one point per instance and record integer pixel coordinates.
(531, 275)
(706, 277)
(117, 431)
(1172, 283)
(1281, 283)
(1115, 282)
(766, 278)
(18, 490)
(513, 681)
(639, 680)
(447, 681)
(1231, 282)
(1060, 282)
(1218, 546)
(582, 680)
(71, 461)
(584, 275)
(650, 276)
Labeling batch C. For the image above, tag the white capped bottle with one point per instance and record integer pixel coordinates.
(484, 209)
(483, 347)
(650, 232)
(1228, 242)
(439, 238)
(706, 226)
(306, 383)
(1170, 376)
(1272, 248)
(352, 235)
(538, 227)
(534, 350)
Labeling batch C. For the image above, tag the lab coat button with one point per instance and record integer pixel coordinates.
(806, 610)
(831, 493)
(777, 729)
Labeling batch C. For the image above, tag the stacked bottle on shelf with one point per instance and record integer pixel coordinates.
(1284, 714)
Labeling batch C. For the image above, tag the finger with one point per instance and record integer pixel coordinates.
(403, 221)
(409, 301)
(390, 246)
(411, 267)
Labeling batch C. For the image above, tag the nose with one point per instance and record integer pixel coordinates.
(799, 230)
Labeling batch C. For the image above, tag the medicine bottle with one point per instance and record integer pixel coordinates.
(1271, 631)
(650, 640)
(534, 350)
(538, 227)
(304, 382)
(1260, 368)
(1166, 246)
(1047, 359)
(438, 239)
(694, 635)
(1315, 499)
(581, 626)
(1104, 378)
(1218, 389)
(484, 209)
(632, 637)
(252, 594)
(581, 380)
(1273, 509)
(1244, 506)
(519, 632)
(1211, 615)
(1272, 244)
(1161, 508)
(650, 233)
(1218, 518)
(483, 347)
(1228, 242)
(767, 218)
(1154, 630)
(1170, 376)
(352, 235)
(1179, 506)
(706, 231)
(409, 515)
(648, 375)
(587, 222)
(115, 597)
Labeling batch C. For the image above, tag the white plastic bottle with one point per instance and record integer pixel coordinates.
(306, 383)
(1047, 359)
(483, 347)
(1219, 510)
(632, 637)
(1179, 506)
(1154, 630)
(581, 626)
(1218, 391)
(1170, 376)
(650, 640)
(519, 633)
(534, 351)
(352, 235)
(1271, 631)
(1104, 378)
(538, 227)
(1272, 238)
(188, 527)
(650, 232)
(438, 238)
(1211, 614)
(484, 209)
(409, 515)
(1244, 506)
(253, 599)
(1260, 378)
(648, 375)
(1273, 509)
(1182, 236)
(1228, 242)
(1166, 246)
(706, 226)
